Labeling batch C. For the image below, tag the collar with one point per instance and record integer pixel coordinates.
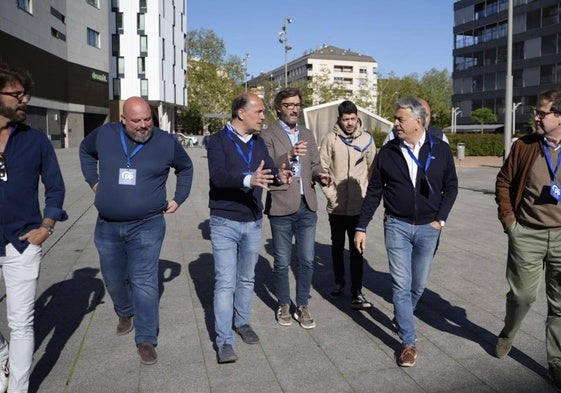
(418, 144)
(287, 128)
(243, 138)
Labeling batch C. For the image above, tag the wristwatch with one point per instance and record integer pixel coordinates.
(442, 223)
(48, 227)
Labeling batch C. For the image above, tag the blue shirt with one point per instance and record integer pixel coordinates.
(116, 201)
(29, 155)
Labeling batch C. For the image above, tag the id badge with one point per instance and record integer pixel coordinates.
(555, 191)
(127, 176)
(296, 169)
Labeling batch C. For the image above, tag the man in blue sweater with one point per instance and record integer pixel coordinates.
(134, 160)
(416, 176)
(240, 168)
(26, 154)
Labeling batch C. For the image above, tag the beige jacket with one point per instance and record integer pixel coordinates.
(350, 168)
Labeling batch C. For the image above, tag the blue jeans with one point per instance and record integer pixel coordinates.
(410, 250)
(235, 246)
(301, 225)
(129, 253)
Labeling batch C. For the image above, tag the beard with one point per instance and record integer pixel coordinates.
(137, 137)
(14, 115)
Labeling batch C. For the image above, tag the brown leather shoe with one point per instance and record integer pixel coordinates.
(125, 325)
(147, 353)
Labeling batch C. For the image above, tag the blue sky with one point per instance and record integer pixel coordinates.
(403, 36)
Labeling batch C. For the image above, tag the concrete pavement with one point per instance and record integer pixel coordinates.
(349, 351)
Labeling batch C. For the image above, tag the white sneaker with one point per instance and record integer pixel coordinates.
(4, 373)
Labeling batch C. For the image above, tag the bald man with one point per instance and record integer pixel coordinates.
(127, 164)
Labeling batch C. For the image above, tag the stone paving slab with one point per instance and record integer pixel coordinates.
(349, 351)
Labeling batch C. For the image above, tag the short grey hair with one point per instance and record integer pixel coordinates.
(415, 106)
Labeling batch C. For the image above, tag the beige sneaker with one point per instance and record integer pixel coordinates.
(303, 316)
(283, 315)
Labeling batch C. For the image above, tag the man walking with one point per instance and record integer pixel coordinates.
(416, 176)
(240, 168)
(292, 208)
(348, 154)
(528, 195)
(134, 159)
(26, 154)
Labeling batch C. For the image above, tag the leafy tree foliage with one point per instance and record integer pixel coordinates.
(482, 116)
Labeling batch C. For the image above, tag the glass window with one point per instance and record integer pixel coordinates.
(95, 3)
(141, 65)
(547, 74)
(26, 5)
(142, 6)
(140, 23)
(57, 34)
(477, 83)
(115, 45)
(549, 44)
(115, 5)
(489, 82)
(57, 14)
(119, 22)
(517, 78)
(116, 89)
(121, 67)
(144, 45)
(550, 16)
(533, 19)
(93, 38)
(518, 50)
(144, 88)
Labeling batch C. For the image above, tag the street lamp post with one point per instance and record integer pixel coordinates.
(244, 65)
(515, 106)
(455, 112)
(283, 39)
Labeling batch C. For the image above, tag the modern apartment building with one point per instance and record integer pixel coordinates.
(353, 71)
(147, 56)
(64, 44)
(480, 55)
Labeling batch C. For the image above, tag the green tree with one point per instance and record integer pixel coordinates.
(213, 80)
(482, 116)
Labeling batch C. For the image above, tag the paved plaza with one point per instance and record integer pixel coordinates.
(458, 317)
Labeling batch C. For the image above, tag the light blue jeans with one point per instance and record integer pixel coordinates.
(129, 253)
(410, 250)
(235, 246)
(302, 226)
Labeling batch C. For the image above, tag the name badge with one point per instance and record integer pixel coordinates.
(296, 169)
(127, 176)
(555, 191)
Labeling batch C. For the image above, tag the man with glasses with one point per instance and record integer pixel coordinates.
(292, 207)
(26, 154)
(528, 195)
(416, 176)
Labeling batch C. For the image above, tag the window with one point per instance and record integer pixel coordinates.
(362, 70)
(119, 22)
(343, 68)
(549, 44)
(143, 45)
(115, 45)
(93, 38)
(142, 6)
(547, 74)
(163, 48)
(116, 89)
(57, 14)
(144, 88)
(57, 34)
(26, 5)
(549, 16)
(533, 19)
(121, 67)
(517, 78)
(95, 3)
(141, 65)
(115, 5)
(140, 23)
(518, 50)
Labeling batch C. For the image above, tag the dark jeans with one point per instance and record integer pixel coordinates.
(341, 225)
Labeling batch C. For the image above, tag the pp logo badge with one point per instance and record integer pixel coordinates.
(555, 191)
(127, 176)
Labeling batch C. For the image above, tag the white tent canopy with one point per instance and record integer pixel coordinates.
(321, 119)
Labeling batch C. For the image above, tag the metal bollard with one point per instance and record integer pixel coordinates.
(461, 150)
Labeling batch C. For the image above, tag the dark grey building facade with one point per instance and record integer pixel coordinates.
(480, 56)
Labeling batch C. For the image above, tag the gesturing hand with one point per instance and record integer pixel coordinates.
(261, 177)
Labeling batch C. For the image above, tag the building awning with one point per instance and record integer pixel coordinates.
(476, 128)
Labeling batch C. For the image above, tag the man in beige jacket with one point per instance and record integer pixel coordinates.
(348, 154)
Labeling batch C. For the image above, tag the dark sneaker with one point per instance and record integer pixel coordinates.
(248, 335)
(4, 376)
(226, 354)
(408, 356)
(359, 302)
(555, 375)
(337, 291)
(303, 316)
(125, 325)
(147, 353)
(503, 347)
(283, 315)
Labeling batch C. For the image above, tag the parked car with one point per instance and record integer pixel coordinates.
(186, 140)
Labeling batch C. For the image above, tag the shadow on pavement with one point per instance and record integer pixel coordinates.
(60, 310)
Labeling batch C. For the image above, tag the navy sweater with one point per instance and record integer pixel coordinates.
(227, 196)
(415, 205)
(29, 155)
(120, 202)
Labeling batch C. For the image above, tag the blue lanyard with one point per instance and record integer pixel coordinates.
(246, 159)
(357, 148)
(126, 151)
(548, 160)
(425, 169)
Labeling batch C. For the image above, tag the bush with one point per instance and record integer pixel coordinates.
(476, 144)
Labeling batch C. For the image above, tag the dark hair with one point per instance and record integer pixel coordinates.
(347, 107)
(286, 93)
(415, 106)
(9, 75)
(553, 96)
(239, 102)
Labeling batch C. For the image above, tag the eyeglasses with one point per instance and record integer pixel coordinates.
(541, 114)
(291, 105)
(18, 95)
(3, 173)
